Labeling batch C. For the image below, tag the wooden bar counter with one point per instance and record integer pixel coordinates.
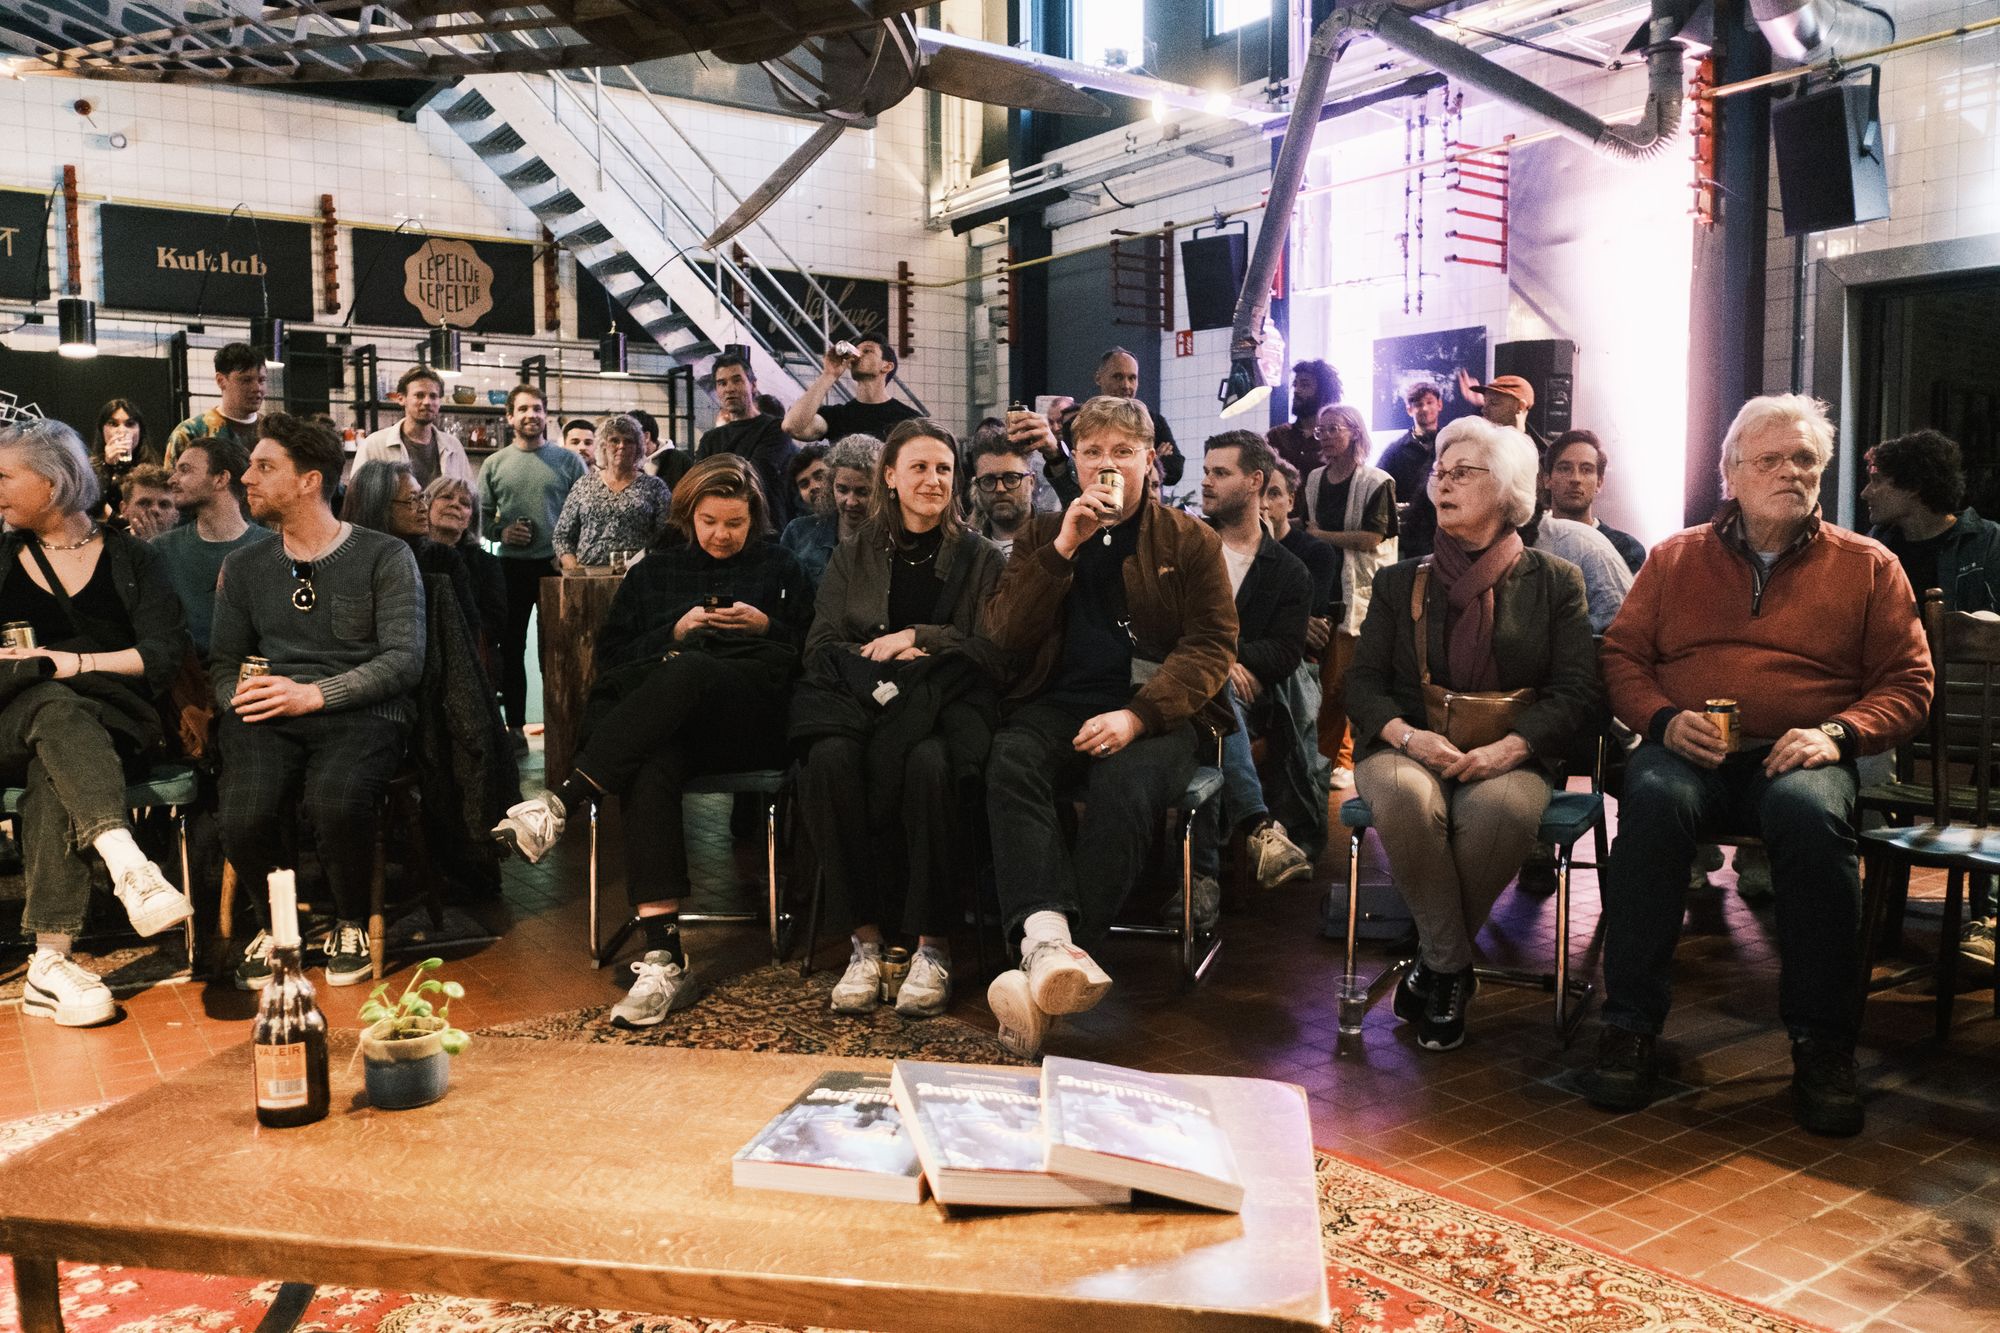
(572, 611)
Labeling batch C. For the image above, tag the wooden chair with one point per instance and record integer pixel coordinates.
(1964, 731)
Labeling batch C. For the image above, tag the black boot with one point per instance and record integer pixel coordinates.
(1413, 991)
(1825, 1097)
(1622, 1079)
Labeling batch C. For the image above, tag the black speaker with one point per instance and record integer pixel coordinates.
(1549, 365)
(1831, 169)
(1213, 268)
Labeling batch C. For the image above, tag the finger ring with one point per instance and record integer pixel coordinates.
(1102, 748)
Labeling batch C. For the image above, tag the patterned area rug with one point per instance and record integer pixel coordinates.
(1397, 1257)
(128, 964)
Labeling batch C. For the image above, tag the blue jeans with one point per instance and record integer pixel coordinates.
(1242, 796)
(1806, 818)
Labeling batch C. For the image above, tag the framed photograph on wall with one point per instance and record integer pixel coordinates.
(1433, 357)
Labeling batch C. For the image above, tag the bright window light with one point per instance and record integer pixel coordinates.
(1229, 15)
(1111, 33)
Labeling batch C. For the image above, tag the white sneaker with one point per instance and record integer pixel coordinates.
(660, 986)
(1975, 944)
(1023, 1024)
(153, 904)
(73, 996)
(1063, 978)
(530, 828)
(1343, 779)
(926, 992)
(1277, 858)
(859, 989)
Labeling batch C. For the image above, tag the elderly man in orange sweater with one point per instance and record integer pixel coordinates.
(1812, 630)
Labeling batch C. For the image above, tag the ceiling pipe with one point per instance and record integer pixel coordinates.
(1803, 31)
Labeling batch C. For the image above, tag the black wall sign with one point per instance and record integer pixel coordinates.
(24, 256)
(157, 259)
(409, 280)
(865, 301)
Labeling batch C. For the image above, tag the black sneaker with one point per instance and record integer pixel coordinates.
(1413, 991)
(1623, 1077)
(1443, 1027)
(1825, 1097)
(1540, 881)
(253, 970)
(347, 957)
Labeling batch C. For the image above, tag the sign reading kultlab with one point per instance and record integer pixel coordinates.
(409, 280)
(24, 254)
(188, 263)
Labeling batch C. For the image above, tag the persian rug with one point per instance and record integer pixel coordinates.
(1397, 1257)
(127, 963)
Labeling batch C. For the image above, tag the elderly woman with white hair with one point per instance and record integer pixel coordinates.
(78, 710)
(1457, 791)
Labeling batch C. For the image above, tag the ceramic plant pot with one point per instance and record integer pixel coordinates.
(402, 1072)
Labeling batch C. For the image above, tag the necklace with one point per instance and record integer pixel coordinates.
(76, 545)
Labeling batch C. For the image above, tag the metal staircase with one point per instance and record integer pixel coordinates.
(581, 156)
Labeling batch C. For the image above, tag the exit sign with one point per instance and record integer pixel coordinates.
(1184, 342)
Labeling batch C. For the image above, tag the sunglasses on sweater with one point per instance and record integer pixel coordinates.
(304, 597)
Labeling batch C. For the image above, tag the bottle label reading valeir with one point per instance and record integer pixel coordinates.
(281, 1076)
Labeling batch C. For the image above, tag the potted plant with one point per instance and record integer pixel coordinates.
(406, 1048)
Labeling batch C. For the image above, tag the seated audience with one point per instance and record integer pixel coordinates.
(450, 504)
(1315, 387)
(208, 492)
(337, 612)
(1119, 618)
(1573, 472)
(746, 432)
(1916, 501)
(240, 380)
(121, 445)
(695, 666)
(418, 438)
(1273, 594)
(385, 497)
(1456, 816)
(579, 436)
(1606, 577)
(615, 507)
(805, 477)
(1813, 631)
(842, 508)
(78, 712)
(1351, 507)
(898, 610)
(1003, 483)
(146, 502)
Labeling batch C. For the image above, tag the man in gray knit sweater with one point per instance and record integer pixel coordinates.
(338, 613)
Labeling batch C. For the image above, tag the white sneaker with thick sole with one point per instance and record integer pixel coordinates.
(659, 987)
(58, 988)
(1277, 858)
(859, 989)
(926, 992)
(1023, 1024)
(1063, 978)
(153, 904)
(530, 828)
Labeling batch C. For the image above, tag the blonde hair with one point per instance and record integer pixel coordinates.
(1128, 416)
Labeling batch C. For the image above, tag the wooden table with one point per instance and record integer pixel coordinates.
(599, 1176)
(572, 611)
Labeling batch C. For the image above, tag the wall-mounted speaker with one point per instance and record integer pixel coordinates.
(1549, 364)
(1831, 168)
(1212, 269)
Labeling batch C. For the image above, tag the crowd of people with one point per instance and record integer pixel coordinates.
(957, 643)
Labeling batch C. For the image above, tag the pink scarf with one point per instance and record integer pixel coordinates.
(1468, 586)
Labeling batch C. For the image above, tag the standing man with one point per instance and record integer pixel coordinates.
(338, 613)
(1504, 400)
(240, 379)
(418, 439)
(1813, 630)
(579, 436)
(521, 494)
(1315, 385)
(872, 412)
(1118, 377)
(146, 501)
(1573, 471)
(1120, 613)
(208, 491)
(1408, 462)
(750, 435)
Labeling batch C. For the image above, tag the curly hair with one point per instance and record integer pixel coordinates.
(1926, 462)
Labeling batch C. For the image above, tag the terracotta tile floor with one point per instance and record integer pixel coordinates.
(1894, 1230)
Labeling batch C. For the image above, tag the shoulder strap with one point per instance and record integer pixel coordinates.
(61, 594)
(1419, 590)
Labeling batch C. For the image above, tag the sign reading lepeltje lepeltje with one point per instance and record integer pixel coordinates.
(185, 262)
(409, 280)
(24, 255)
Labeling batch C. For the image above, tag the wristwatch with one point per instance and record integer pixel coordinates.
(1842, 736)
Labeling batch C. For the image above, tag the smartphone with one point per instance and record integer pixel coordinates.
(716, 602)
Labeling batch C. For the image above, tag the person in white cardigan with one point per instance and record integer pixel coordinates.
(418, 439)
(1352, 507)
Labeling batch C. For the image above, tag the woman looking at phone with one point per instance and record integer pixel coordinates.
(695, 664)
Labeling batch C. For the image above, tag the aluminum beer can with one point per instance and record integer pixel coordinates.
(1722, 712)
(252, 667)
(1112, 477)
(18, 634)
(895, 967)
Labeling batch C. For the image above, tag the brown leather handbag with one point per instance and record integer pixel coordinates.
(1466, 718)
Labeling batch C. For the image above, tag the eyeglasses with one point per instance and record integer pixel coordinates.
(304, 597)
(1098, 457)
(1461, 474)
(999, 481)
(1805, 460)
(408, 502)
(1329, 432)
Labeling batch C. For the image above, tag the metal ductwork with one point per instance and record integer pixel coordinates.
(1803, 31)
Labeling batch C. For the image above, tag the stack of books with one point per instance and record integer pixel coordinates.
(1074, 1134)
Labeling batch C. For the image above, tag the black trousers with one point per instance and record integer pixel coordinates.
(693, 714)
(335, 765)
(72, 782)
(524, 590)
(864, 864)
(1127, 794)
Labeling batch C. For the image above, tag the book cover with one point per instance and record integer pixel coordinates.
(1152, 1132)
(843, 1136)
(978, 1132)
